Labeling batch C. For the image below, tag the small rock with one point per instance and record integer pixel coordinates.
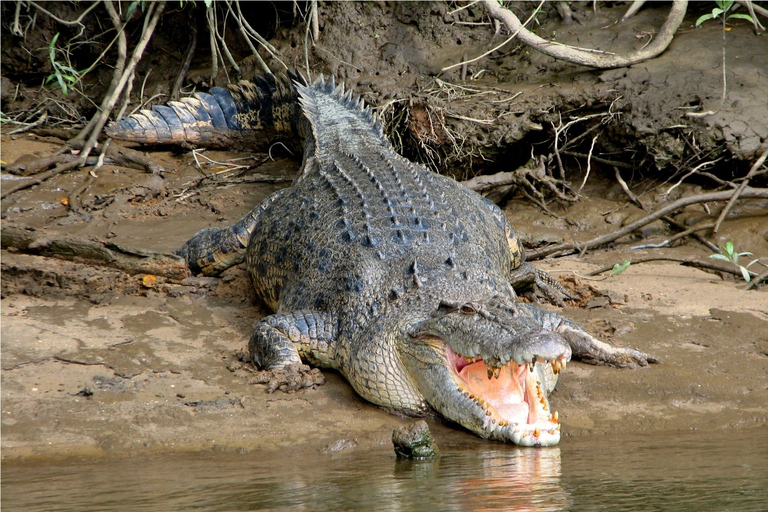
(414, 442)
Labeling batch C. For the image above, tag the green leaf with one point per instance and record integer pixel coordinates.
(742, 16)
(62, 84)
(745, 274)
(724, 4)
(704, 18)
(620, 267)
(720, 257)
(129, 11)
(717, 12)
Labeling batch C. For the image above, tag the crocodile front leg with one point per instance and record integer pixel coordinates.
(585, 346)
(284, 339)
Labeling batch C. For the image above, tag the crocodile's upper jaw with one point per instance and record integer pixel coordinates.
(510, 400)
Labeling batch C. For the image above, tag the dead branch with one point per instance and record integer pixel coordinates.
(756, 281)
(569, 247)
(704, 265)
(94, 252)
(526, 177)
(589, 58)
(666, 218)
(185, 64)
(736, 195)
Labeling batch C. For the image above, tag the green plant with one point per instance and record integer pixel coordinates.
(65, 75)
(723, 6)
(620, 267)
(730, 255)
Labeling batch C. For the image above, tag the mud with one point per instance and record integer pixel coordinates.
(99, 362)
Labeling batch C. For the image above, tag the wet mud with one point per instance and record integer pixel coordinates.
(99, 362)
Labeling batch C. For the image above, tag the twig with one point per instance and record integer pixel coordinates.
(589, 166)
(757, 280)
(748, 193)
(185, 64)
(692, 171)
(736, 194)
(625, 187)
(678, 236)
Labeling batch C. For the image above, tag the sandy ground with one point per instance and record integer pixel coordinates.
(96, 362)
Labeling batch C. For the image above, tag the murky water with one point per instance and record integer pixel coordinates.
(726, 470)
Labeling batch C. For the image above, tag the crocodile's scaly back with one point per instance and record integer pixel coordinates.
(361, 211)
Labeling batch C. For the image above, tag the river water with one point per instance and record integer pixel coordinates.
(722, 470)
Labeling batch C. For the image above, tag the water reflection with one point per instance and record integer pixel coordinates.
(676, 472)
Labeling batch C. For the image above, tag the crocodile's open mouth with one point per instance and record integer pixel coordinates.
(511, 396)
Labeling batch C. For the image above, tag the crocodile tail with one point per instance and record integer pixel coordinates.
(266, 105)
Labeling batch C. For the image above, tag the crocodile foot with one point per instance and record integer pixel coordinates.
(288, 379)
(590, 350)
(532, 282)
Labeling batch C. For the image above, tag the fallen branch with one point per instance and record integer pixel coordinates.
(704, 265)
(588, 58)
(94, 252)
(736, 195)
(569, 247)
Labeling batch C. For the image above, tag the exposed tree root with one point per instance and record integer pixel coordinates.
(591, 58)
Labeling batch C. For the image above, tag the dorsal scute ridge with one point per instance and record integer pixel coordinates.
(348, 99)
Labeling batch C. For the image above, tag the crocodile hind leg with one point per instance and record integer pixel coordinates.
(211, 251)
(585, 346)
(523, 275)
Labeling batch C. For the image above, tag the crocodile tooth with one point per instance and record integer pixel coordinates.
(490, 372)
(536, 432)
(530, 367)
(496, 372)
(554, 417)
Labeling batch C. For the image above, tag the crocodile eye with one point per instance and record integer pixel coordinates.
(468, 309)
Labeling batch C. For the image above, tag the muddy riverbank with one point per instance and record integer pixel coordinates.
(97, 362)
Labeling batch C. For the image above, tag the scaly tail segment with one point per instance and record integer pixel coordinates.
(242, 115)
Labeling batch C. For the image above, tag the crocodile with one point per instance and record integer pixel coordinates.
(396, 276)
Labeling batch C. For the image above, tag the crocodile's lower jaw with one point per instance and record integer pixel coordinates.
(515, 407)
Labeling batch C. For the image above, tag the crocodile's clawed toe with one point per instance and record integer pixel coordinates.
(289, 379)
